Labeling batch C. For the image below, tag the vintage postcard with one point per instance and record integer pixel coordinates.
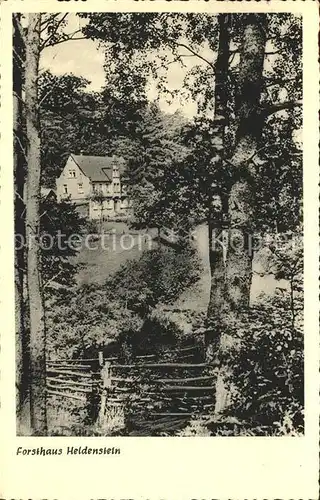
(160, 253)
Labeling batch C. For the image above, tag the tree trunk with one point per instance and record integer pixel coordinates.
(292, 305)
(215, 219)
(22, 343)
(101, 212)
(241, 203)
(242, 194)
(37, 319)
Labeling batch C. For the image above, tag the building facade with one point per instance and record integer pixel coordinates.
(94, 184)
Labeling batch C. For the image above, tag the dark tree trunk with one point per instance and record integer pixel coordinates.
(37, 319)
(241, 203)
(217, 251)
(22, 343)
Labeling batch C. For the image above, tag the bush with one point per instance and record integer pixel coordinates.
(58, 221)
(85, 320)
(268, 367)
(262, 354)
(156, 333)
(92, 226)
(197, 427)
(160, 276)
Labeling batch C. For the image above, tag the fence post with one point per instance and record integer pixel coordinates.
(100, 354)
(111, 416)
(106, 384)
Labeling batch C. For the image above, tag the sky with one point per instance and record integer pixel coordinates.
(86, 58)
(80, 57)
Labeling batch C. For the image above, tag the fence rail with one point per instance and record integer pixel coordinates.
(172, 383)
(157, 388)
(169, 366)
(71, 382)
(72, 373)
(76, 379)
(65, 395)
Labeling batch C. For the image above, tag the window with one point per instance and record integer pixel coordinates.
(94, 188)
(65, 189)
(80, 188)
(72, 173)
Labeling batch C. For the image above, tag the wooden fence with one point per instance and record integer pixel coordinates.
(143, 389)
(159, 388)
(179, 384)
(76, 379)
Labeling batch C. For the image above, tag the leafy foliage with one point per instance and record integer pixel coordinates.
(71, 121)
(269, 368)
(171, 37)
(173, 165)
(159, 276)
(59, 221)
(157, 181)
(85, 320)
(92, 316)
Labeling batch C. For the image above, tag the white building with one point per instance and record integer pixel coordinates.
(94, 183)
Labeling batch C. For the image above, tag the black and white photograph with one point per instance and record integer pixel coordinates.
(159, 222)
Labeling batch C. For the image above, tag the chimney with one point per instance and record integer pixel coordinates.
(81, 152)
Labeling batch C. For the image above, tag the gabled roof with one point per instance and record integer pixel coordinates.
(98, 168)
(45, 192)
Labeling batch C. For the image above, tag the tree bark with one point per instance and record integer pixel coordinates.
(22, 343)
(241, 202)
(217, 250)
(242, 194)
(36, 305)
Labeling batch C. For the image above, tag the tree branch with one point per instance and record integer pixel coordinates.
(53, 86)
(273, 52)
(263, 148)
(193, 52)
(52, 279)
(21, 146)
(19, 98)
(20, 197)
(54, 32)
(70, 38)
(280, 106)
(19, 59)
(64, 38)
(188, 55)
(232, 57)
(46, 22)
(279, 81)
